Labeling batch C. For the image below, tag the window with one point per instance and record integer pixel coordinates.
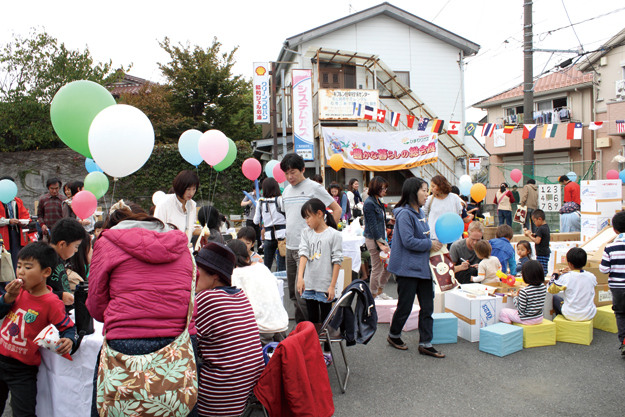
(513, 115)
(551, 111)
(395, 180)
(402, 76)
(337, 76)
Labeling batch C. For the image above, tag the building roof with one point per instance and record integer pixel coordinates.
(469, 48)
(127, 85)
(565, 79)
(616, 41)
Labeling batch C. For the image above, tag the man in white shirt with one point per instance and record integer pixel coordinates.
(298, 192)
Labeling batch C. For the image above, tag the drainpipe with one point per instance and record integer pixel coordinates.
(594, 132)
(463, 115)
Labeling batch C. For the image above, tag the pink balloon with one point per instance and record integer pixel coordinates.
(612, 174)
(251, 168)
(516, 175)
(84, 204)
(278, 174)
(213, 146)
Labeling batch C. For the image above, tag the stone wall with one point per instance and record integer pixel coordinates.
(32, 169)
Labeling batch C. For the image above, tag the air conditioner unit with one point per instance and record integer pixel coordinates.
(620, 90)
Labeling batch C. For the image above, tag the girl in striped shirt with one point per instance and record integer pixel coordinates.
(529, 300)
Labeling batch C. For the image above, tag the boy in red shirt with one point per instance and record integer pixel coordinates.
(26, 309)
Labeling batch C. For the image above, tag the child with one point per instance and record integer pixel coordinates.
(503, 250)
(26, 309)
(321, 255)
(487, 270)
(612, 265)
(261, 288)
(65, 238)
(578, 288)
(97, 228)
(524, 250)
(248, 236)
(540, 238)
(529, 300)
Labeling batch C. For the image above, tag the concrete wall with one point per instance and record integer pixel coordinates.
(609, 74)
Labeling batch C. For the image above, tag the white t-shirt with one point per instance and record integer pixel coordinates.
(435, 208)
(169, 210)
(270, 216)
(578, 293)
(487, 270)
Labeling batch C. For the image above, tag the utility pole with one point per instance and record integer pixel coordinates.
(528, 89)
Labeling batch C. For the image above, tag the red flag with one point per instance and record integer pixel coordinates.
(381, 115)
(437, 126)
(574, 131)
(410, 121)
(507, 129)
(453, 128)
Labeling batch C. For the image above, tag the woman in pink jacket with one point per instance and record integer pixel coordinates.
(140, 284)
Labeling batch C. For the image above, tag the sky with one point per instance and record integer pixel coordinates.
(128, 32)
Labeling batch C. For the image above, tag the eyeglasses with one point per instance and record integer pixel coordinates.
(384, 189)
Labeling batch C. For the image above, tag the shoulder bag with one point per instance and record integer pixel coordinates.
(161, 383)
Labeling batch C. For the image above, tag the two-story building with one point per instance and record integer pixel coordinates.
(413, 67)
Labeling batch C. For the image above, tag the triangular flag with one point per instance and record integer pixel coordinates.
(437, 126)
(453, 128)
(507, 129)
(469, 129)
(395, 119)
(381, 115)
(529, 131)
(574, 131)
(410, 120)
(595, 125)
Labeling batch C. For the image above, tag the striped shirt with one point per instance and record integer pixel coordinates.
(230, 347)
(531, 301)
(613, 262)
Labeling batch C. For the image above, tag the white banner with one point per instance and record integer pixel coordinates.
(381, 151)
(261, 92)
(339, 104)
(303, 133)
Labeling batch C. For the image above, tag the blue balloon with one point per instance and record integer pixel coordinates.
(465, 188)
(251, 198)
(621, 175)
(187, 146)
(8, 191)
(449, 227)
(572, 176)
(269, 168)
(91, 166)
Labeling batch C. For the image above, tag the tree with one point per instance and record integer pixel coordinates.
(32, 70)
(206, 93)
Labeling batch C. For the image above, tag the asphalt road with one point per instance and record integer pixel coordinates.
(560, 380)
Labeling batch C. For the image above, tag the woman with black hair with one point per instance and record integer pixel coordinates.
(209, 217)
(410, 262)
(74, 188)
(270, 212)
(375, 236)
(340, 197)
(504, 200)
(78, 265)
(179, 208)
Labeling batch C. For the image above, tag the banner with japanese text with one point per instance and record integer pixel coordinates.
(381, 151)
(303, 132)
(335, 104)
(261, 92)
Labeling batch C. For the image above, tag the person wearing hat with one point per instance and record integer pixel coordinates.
(228, 336)
(504, 200)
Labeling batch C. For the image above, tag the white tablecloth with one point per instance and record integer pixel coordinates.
(64, 388)
(351, 248)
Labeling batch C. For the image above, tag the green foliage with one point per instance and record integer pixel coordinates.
(165, 163)
(32, 70)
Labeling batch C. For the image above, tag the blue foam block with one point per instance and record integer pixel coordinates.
(445, 328)
(501, 339)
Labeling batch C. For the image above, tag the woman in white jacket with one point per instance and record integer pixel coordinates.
(261, 288)
(270, 212)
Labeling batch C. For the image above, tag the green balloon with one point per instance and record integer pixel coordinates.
(97, 183)
(73, 109)
(229, 159)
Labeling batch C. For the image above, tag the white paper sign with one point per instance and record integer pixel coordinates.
(549, 198)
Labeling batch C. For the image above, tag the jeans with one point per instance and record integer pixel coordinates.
(529, 225)
(21, 380)
(505, 217)
(271, 251)
(379, 276)
(557, 304)
(292, 263)
(407, 287)
(618, 306)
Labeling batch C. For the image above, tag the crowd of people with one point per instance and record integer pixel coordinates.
(170, 282)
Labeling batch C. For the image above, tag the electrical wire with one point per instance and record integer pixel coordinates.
(575, 32)
(439, 12)
(549, 32)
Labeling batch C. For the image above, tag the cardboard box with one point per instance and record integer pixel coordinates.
(587, 189)
(490, 233)
(609, 207)
(445, 328)
(439, 301)
(345, 275)
(383, 307)
(413, 319)
(603, 295)
(473, 312)
(601, 189)
(605, 319)
(501, 339)
(593, 223)
(553, 237)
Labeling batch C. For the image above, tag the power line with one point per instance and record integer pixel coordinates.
(440, 10)
(575, 32)
(549, 32)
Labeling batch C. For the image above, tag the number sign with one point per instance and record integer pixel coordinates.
(549, 198)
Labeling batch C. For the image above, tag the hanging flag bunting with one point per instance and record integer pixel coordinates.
(453, 128)
(469, 129)
(423, 123)
(410, 120)
(437, 126)
(529, 131)
(475, 164)
(395, 119)
(358, 110)
(620, 126)
(488, 129)
(507, 129)
(381, 115)
(574, 131)
(595, 125)
(369, 113)
(549, 130)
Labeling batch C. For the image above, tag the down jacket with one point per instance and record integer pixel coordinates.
(140, 282)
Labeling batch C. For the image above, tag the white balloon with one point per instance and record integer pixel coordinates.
(464, 178)
(121, 139)
(158, 197)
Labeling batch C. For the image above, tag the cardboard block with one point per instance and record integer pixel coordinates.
(501, 339)
(413, 319)
(605, 319)
(445, 328)
(536, 335)
(578, 332)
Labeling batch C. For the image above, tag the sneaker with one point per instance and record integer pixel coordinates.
(622, 348)
(327, 357)
(383, 296)
(397, 343)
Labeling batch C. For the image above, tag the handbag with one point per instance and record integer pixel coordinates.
(520, 215)
(7, 272)
(442, 268)
(161, 383)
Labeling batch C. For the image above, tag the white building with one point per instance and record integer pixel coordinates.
(416, 66)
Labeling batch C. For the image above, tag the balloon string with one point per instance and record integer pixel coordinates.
(215, 187)
(113, 194)
(197, 171)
